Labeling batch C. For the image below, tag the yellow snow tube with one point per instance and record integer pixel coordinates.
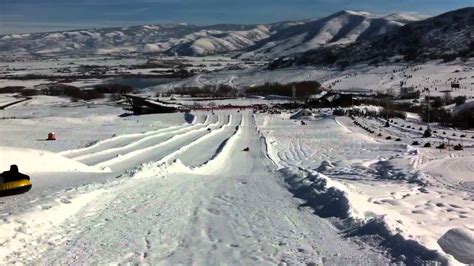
(15, 187)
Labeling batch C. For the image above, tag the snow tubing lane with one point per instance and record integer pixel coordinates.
(15, 187)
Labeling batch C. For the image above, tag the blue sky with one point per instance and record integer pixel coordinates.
(18, 16)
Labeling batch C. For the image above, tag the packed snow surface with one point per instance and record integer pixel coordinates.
(420, 192)
(182, 194)
(168, 189)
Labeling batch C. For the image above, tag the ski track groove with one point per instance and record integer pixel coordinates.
(213, 144)
(215, 150)
(156, 152)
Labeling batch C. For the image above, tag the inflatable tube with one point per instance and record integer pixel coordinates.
(15, 187)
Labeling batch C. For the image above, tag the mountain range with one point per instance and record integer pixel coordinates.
(182, 39)
(343, 37)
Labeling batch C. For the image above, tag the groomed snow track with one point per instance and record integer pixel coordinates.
(195, 198)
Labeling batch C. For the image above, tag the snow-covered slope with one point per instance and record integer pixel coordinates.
(220, 42)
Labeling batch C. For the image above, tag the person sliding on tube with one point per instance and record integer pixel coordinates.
(12, 175)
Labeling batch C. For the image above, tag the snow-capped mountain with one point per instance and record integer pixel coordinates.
(446, 36)
(269, 40)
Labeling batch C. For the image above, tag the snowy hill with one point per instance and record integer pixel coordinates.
(269, 40)
(203, 43)
(446, 36)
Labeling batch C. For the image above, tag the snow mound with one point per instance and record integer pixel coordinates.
(459, 243)
(34, 161)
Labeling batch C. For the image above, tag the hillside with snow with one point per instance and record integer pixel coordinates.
(446, 37)
(340, 28)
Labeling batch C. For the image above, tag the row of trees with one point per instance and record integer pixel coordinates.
(437, 113)
(462, 119)
(222, 90)
(75, 93)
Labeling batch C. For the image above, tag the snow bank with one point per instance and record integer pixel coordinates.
(459, 243)
(33, 161)
(323, 197)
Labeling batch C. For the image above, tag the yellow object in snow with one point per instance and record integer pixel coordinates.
(15, 187)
